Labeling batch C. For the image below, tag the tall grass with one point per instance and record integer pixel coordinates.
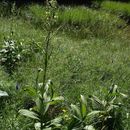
(97, 22)
(77, 20)
(120, 9)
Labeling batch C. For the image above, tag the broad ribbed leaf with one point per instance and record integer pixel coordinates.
(55, 100)
(46, 95)
(31, 91)
(76, 111)
(89, 127)
(38, 103)
(47, 128)
(60, 98)
(98, 101)
(124, 95)
(28, 113)
(3, 94)
(47, 85)
(94, 113)
(112, 101)
(46, 107)
(111, 107)
(37, 126)
(115, 88)
(56, 122)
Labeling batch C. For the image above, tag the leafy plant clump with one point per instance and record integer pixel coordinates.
(43, 93)
(40, 112)
(89, 114)
(109, 113)
(10, 55)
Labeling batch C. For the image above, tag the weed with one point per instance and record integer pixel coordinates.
(10, 55)
(108, 113)
(43, 92)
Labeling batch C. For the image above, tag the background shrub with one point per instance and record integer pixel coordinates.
(10, 55)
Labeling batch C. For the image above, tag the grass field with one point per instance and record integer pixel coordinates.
(90, 53)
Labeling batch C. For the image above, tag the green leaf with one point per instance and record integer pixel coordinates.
(124, 95)
(3, 94)
(55, 100)
(28, 113)
(37, 126)
(89, 127)
(46, 108)
(94, 113)
(57, 121)
(113, 99)
(31, 91)
(47, 85)
(46, 98)
(111, 107)
(76, 111)
(60, 98)
(83, 106)
(98, 101)
(47, 128)
(38, 103)
(115, 88)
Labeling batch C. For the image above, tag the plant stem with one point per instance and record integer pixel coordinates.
(45, 66)
(46, 55)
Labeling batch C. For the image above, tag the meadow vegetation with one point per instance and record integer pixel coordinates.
(78, 20)
(64, 68)
(120, 9)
